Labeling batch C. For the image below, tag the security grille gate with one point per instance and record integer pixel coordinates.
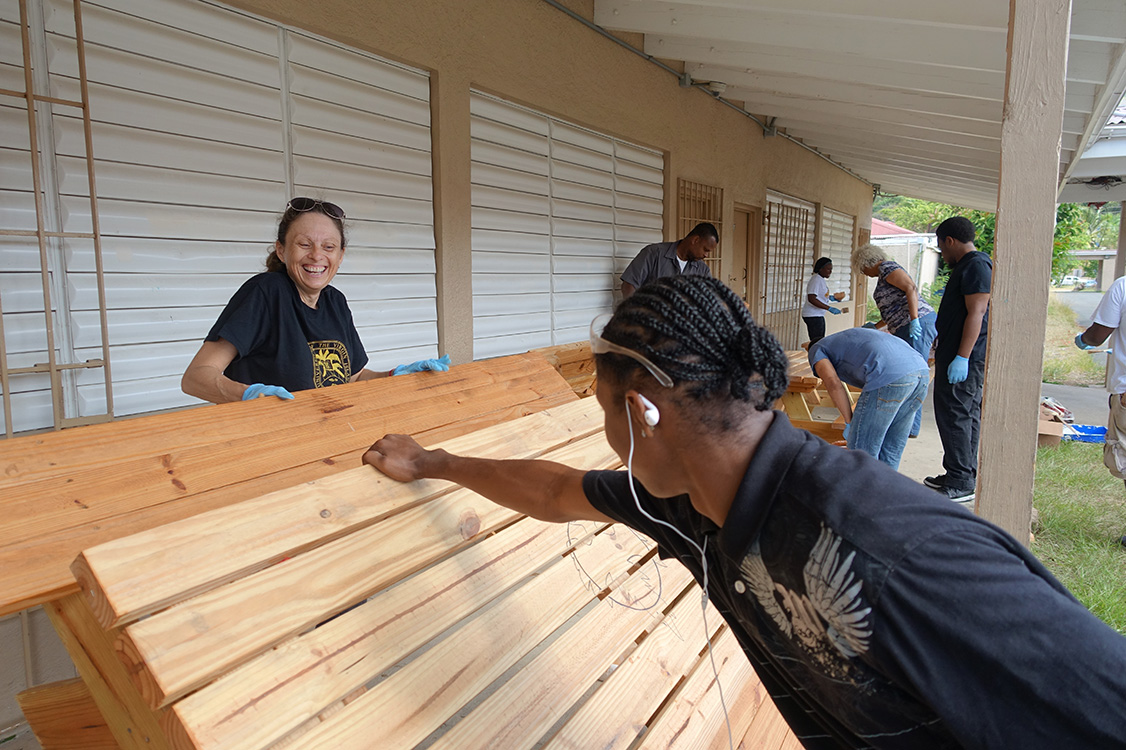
(558, 213)
(788, 259)
(697, 203)
(204, 120)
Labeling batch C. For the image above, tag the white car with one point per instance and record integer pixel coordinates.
(1070, 280)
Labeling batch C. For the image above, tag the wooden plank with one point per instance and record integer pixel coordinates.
(524, 708)
(91, 494)
(830, 432)
(790, 742)
(224, 460)
(33, 457)
(91, 648)
(138, 575)
(574, 362)
(801, 374)
(696, 710)
(410, 704)
(620, 709)
(255, 704)
(1031, 127)
(64, 716)
(768, 730)
(182, 648)
(794, 404)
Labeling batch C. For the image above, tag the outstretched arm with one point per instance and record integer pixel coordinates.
(545, 490)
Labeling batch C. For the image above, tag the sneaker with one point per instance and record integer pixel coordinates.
(935, 483)
(962, 497)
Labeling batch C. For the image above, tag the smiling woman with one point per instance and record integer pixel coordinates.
(288, 329)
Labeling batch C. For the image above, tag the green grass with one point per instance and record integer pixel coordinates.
(1064, 363)
(1082, 518)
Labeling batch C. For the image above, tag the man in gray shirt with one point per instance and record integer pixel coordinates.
(662, 259)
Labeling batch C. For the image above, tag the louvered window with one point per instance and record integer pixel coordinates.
(558, 213)
(205, 120)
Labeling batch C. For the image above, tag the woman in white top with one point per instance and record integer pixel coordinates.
(818, 300)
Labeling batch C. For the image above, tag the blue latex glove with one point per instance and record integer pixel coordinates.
(1080, 343)
(835, 310)
(915, 329)
(256, 390)
(437, 365)
(845, 433)
(958, 370)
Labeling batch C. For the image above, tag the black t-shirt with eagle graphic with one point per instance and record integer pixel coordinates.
(879, 614)
(282, 341)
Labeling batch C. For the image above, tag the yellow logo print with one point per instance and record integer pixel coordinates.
(330, 363)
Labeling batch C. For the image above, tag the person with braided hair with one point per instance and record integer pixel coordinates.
(876, 613)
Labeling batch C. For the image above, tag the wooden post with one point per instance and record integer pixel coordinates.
(450, 145)
(1031, 129)
(1120, 259)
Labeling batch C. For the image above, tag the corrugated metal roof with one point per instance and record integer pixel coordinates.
(881, 228)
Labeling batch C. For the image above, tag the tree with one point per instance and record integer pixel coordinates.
(1075, 226)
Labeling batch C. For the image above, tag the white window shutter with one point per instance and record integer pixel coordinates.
(558, 212)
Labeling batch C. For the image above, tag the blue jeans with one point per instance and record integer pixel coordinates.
(923, 347)
(883, 417)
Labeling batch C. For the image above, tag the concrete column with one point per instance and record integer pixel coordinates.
(1031, 130)
(449, 131)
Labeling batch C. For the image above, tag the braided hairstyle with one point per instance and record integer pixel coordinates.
(699, 332)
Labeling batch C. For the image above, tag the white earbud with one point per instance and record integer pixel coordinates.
(651, 415)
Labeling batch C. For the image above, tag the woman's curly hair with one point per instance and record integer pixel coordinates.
(867, 255)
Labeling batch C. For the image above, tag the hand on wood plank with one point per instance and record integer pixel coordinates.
(545, 490)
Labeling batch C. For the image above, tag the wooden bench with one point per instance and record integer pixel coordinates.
(63, 492)
(574, 362)
(283, 604)
(804, 390)
(355, 611)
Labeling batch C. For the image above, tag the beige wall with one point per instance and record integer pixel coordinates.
(531, 53)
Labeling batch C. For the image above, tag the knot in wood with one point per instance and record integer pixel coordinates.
(469, 524)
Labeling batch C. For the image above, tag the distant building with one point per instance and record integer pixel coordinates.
(916, 252)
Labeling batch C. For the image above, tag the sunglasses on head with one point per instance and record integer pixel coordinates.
(599, 345)
(300, 205)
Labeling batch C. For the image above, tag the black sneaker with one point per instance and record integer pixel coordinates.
(962, 497)
(935, 483)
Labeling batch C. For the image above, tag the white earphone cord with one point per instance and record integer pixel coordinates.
(704, 563)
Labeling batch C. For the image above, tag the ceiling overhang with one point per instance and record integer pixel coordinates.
(906, 94)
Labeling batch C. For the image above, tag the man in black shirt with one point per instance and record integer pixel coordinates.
(959, 358)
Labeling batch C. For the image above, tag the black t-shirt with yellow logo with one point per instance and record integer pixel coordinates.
(282, 341)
